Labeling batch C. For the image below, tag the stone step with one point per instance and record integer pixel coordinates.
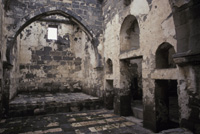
(35, 104)
(137, 112)
(137, 109)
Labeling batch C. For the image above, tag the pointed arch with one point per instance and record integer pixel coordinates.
(47, 11)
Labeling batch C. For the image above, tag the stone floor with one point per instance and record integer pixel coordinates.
(47, 103)
(90, 122)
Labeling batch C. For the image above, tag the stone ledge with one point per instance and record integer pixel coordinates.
(183, 59)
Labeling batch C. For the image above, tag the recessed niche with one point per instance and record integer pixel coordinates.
(109, 66)
(129, 34)
(164, 58)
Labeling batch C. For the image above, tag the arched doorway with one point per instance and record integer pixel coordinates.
(166, 95)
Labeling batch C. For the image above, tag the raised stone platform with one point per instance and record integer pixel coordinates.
(137, 109)
(45, 103)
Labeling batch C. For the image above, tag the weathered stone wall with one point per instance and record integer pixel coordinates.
(187, 19)
(156, 27)
(61, 65)
(87, 14)
(1, 61)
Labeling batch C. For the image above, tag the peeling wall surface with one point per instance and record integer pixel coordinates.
(187, 20)
(107, 49)
(156, 26)
(56, 65)
(1, 62)
(63, 56)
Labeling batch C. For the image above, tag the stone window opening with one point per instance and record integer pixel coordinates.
(164, 58)
(52, 32)
(109, 66)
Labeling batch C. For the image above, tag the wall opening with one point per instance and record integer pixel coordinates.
(109, 66)
(167, 109)
(164, 58)
(109, 84)
(131, 76)
(129, 34)
(109, 95)
(52, 33)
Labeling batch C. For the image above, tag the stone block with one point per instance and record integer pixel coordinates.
(50, 76)
(58, 58)
(67, 58)
(22, 67)
(30, 76)
(75, 5)
(39, 52)
(47, 50)
(34, 67)
(63, 63)
(40, 62)
(46, 58)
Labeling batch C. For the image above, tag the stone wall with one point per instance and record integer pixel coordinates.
(156, 27)
(187, 19)
(86, 14)
(60, 65)
(1, 62)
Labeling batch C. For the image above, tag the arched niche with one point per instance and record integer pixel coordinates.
(129, 34)
(164, 58)
(109, 65)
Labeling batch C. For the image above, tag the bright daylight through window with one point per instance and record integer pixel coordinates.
(52, 33)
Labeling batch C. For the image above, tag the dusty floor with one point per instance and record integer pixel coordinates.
(94, 122)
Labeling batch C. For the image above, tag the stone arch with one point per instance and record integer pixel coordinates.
(47, 11)
(164, 56)
(26, 20)
(129, 34)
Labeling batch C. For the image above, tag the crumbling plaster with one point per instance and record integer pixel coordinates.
(156, 27)
(1, 61)
(86, 14)
(67, 61)
(153, 32)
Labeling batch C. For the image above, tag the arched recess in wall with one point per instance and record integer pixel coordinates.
(109, 66)
(24, 22)
(129, 34)
(164, 58)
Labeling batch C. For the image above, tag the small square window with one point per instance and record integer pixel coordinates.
(52, 33)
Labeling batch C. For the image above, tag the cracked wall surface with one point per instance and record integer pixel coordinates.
(56, 65)
(129, 33)
(87, 16)
(1, 61)
(154, 31)
(186, 18)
